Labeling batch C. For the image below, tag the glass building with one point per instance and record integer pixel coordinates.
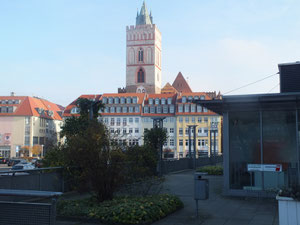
(261, 142)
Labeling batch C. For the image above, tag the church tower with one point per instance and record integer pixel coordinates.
(143, 55)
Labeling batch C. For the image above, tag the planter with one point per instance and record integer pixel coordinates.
(288, 210)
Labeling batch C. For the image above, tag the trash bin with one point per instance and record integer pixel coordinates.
(201, 187)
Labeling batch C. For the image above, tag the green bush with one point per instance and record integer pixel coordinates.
(211, 170)
(122, 210)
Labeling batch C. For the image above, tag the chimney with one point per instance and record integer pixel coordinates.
(289, 77)
(12, 94)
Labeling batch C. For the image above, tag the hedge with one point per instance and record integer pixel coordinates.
(121, 210)
(211, 170)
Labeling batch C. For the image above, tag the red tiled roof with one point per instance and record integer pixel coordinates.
(28, 106)
(67, 111)
(181, 85)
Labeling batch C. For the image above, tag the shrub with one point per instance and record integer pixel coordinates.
(293, 192)
(211, 170)
(122, 210)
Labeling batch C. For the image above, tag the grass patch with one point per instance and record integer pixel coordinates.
(121, 210)
(211, 170)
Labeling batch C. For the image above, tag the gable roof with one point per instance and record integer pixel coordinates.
(168, 89)
(30, 106)
(181, 85)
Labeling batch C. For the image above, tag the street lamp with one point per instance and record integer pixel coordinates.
(190, 146)
(158, 122)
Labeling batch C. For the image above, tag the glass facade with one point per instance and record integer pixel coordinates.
(263, 153)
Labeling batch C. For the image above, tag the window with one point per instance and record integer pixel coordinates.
(130, 130)
(130, 109)
(106, 120)
(137, 120)
(180, 142)
(150, 101)
(134, 100)
(137, 109)
(112, 109)
(118, 130)
(146, 119)
(180, 119)
(141, 76)
(169, 101)
(205, 109)
(112, 131)
(27, 141)
(199, 119)
(118, 121)
(202, 97)
(112, 121)
(35, 141)
(165, 109)
(193, 108)
(199, 108)
(124, 109)
(136, 130)
(180, 131)
(106, 110)
(186, 142)
(180, 108)
(205, 119)
(193, 120)
(141, 55)
(171, 130)
(186, 131)
(122, 100)
(118, 109)
(158, 109)
(104, 100)
(172, 143)
(163, 101)
(190, 99)
(130, 120)
(172, 109)
(187, 108)
(117, 100)
(146, 109)
(206, 130)
(172, 119)
(124, 130)
(152, 109)
(183, 99)
(75, 110)
(110, 100)
(128, 100)
(157, 101)
(187, 119)
(27, 120)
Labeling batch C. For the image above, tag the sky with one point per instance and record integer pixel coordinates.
(60, 49)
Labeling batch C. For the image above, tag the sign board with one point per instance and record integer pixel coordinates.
(265, 167)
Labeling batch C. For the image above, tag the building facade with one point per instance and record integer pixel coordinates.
(143, 53)
(27, 122)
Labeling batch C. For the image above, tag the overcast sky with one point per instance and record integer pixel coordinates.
(60, 49)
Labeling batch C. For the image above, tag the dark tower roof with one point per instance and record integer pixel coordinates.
(143, 17)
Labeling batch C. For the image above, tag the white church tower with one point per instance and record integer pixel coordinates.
(143, 55)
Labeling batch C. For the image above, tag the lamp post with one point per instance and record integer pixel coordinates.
(194, 143)
(158, 122)
(213, 131)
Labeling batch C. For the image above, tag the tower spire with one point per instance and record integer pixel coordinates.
(144, 17)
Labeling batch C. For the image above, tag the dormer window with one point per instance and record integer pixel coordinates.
(134, 100)
(183, 99)
(202, 97)
(141, 55)
(116, 100)
(122, 100)
(104, 100)
(163, 101)
(169, 101)
(75, 110)
(150, 101)
(128, 100)
(157, 101)
(110, 101)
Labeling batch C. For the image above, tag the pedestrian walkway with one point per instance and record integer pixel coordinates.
(217, 210)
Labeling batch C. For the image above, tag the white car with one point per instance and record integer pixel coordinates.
(21, 166)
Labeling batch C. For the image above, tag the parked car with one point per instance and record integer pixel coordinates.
(21, 166)
(13, 162)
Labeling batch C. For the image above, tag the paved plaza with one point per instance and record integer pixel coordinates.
(217, 210)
